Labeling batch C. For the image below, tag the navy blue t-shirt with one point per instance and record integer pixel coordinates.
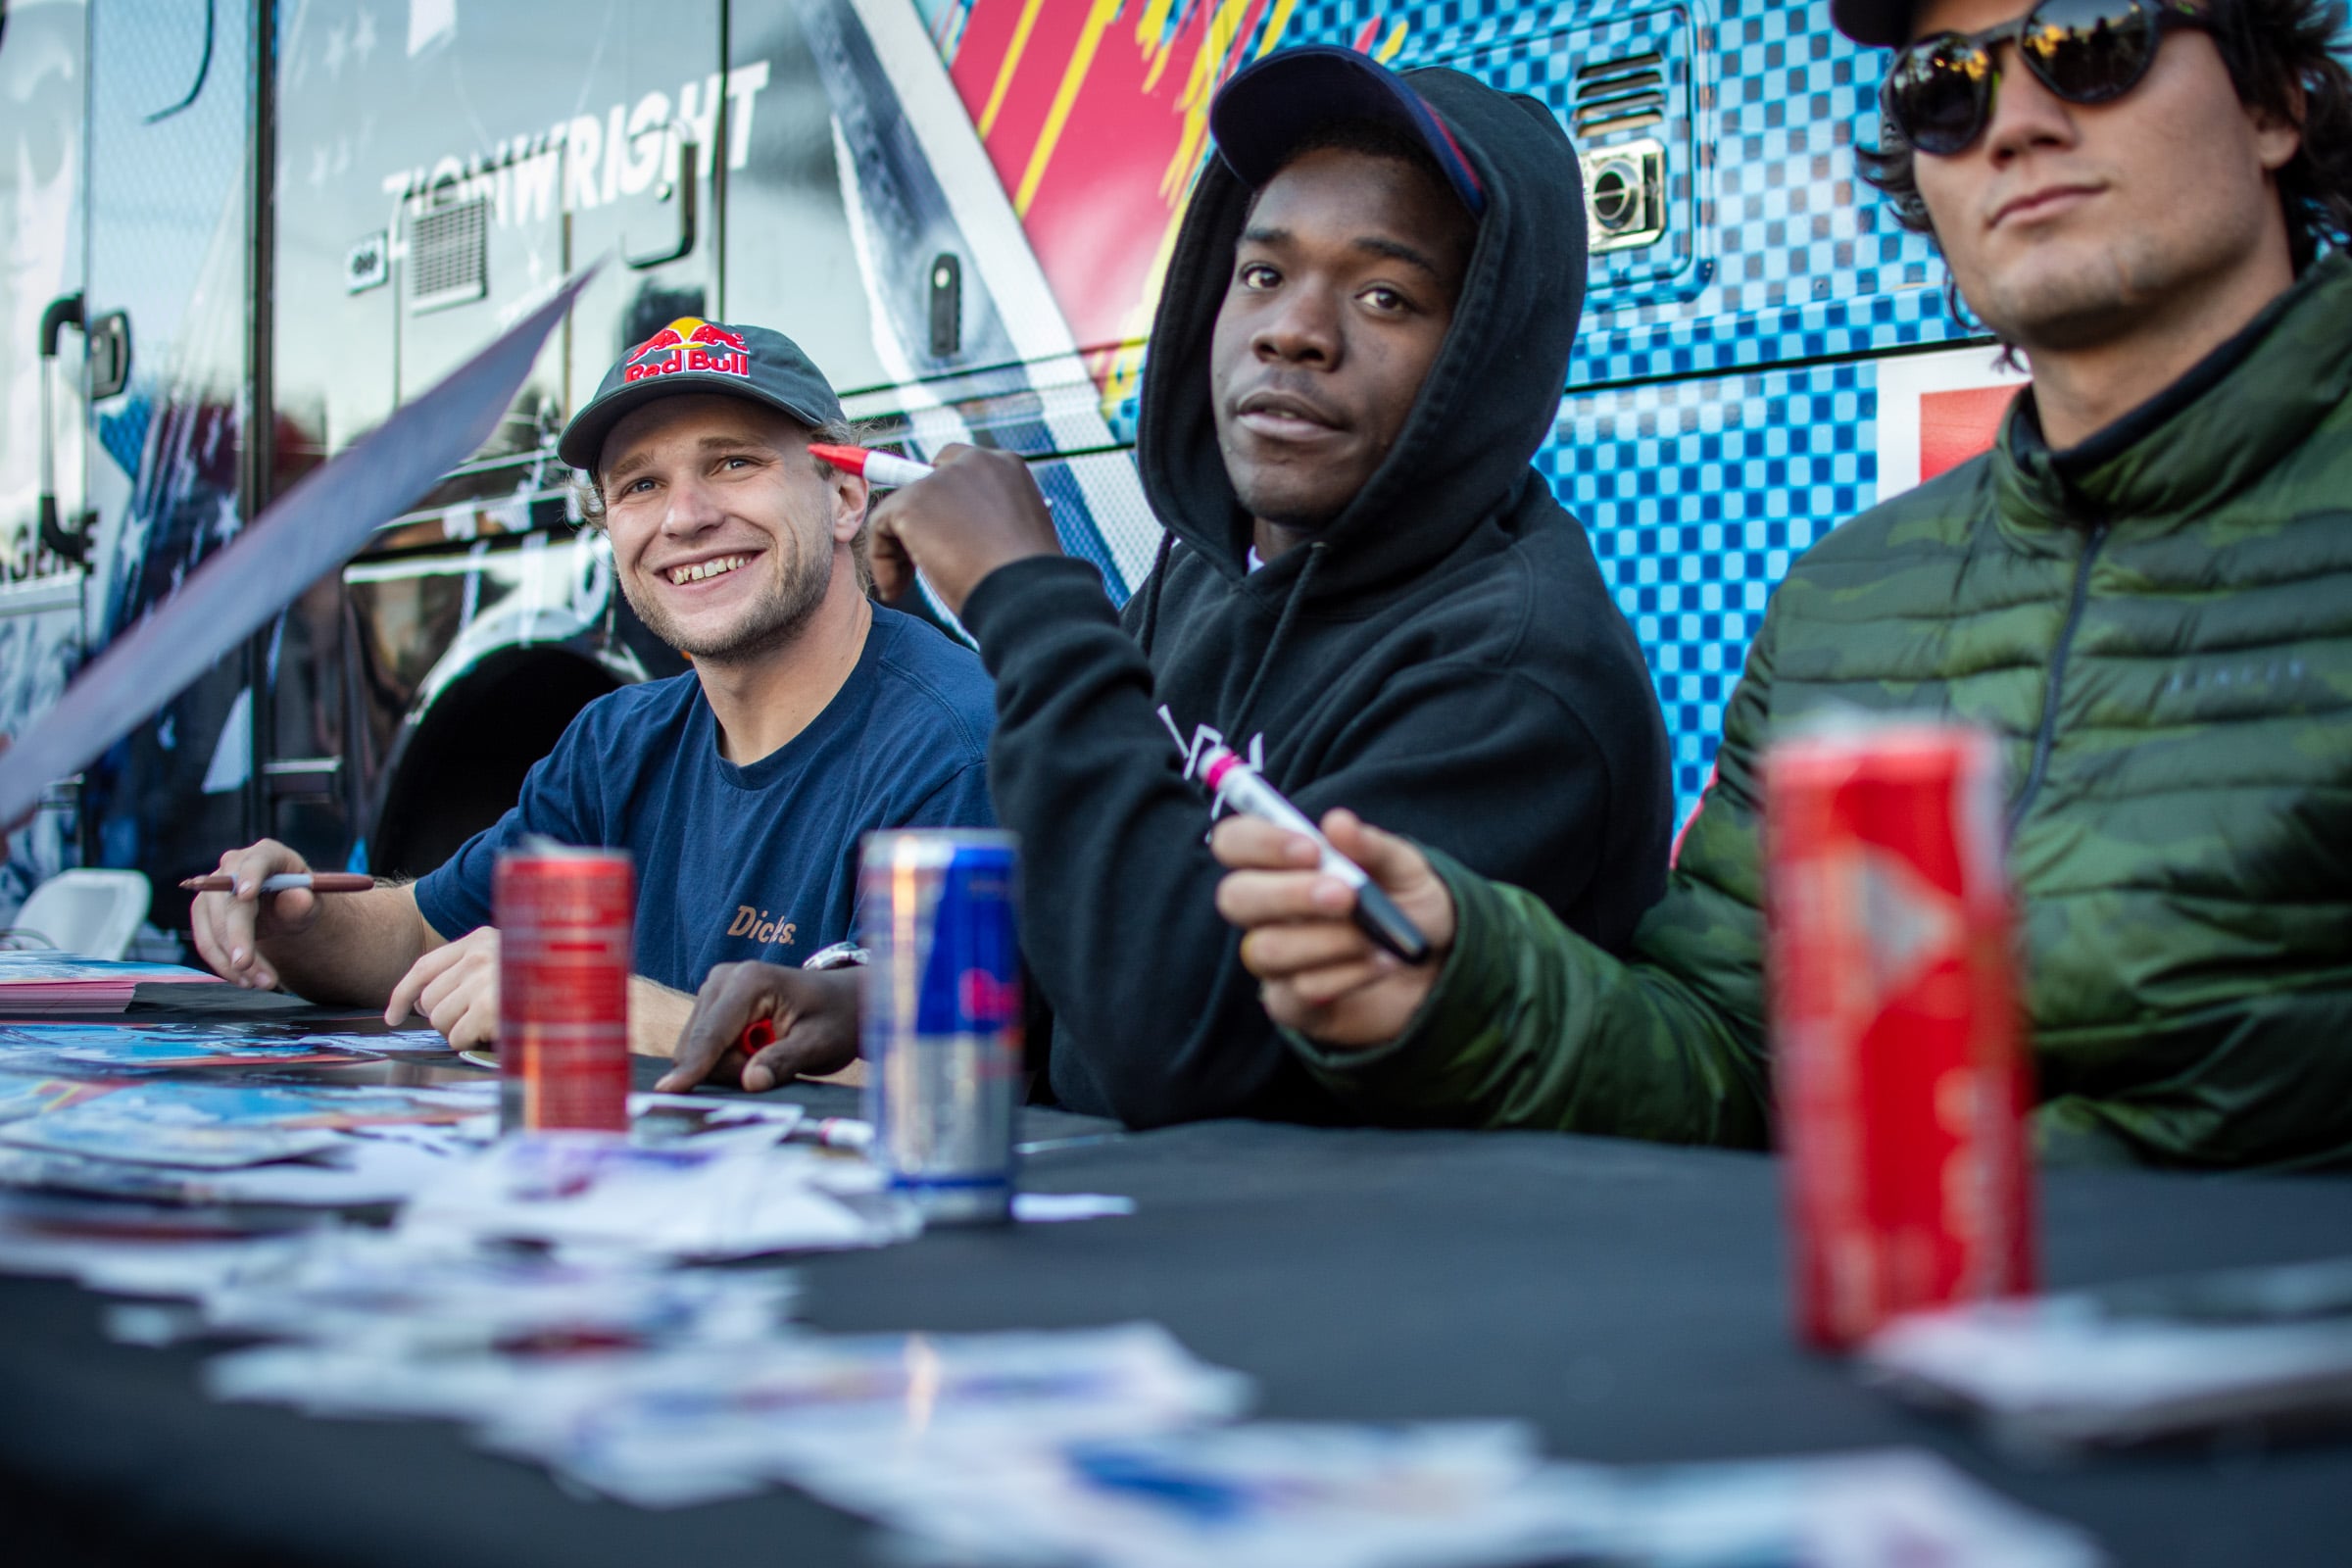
(747, 862)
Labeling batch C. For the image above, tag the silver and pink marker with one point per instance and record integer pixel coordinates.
(1239, 786)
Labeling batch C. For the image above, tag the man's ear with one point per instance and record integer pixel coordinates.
(849, 497)
(2277, 136)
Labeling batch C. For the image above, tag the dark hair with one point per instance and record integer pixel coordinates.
(2282, 59)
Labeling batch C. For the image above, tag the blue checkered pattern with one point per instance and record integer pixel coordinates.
(1703, 441)
(1775, 249)
(1697, 495)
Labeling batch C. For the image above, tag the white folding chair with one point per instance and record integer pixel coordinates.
(94, 915)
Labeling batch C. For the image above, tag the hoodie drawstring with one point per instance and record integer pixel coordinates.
(1156, 582)
(1281, 631)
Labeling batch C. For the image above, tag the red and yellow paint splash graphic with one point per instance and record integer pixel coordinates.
(1097, 124)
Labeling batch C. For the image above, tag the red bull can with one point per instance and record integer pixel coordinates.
(941, 1031)
(566, 922)
(1898, 1060)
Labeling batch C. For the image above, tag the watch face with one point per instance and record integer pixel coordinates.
(840, 956)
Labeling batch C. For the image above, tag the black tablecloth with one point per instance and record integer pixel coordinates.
(1629, 1299)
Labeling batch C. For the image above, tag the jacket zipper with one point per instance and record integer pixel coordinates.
(2044, 741)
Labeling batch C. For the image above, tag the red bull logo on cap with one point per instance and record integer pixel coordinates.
(690, 343)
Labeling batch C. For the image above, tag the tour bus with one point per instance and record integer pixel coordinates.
(239, 235)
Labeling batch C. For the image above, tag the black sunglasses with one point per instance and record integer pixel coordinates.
(1940, 94)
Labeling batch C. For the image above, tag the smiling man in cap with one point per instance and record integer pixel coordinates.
(812, 717)
(1365, 586)
(2144, 591)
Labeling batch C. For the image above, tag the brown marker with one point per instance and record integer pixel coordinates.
(286, 882)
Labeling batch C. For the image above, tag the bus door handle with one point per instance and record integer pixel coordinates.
(69, 545)
(678, 186)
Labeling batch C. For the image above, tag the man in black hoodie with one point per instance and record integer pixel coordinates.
(1365, 589)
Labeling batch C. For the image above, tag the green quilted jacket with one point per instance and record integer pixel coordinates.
(2159, 625)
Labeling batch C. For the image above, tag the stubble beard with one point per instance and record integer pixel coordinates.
(2079, 308)
(2097, 299)
(773, 623)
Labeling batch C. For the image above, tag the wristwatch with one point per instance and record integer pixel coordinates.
(840, 956)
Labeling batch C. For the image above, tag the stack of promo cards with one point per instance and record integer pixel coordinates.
(56, 984)
(397, 1297)
(217, 1126)
(2234, 1351)
(117, 1050)
(1433, 1495)
(1113, 1448)
(718, 1196)
(695, 1412)
(869, 1404)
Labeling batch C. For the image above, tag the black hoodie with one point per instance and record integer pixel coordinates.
(1443, 659)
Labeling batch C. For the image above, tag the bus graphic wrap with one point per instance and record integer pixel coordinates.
(961, 209)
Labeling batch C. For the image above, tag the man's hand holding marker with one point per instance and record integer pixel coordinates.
(284, 882)
(1238, 784)
(759, 1026)
(955, 522)
(1304, 938)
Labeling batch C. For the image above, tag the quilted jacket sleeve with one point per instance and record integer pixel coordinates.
(1531, 1026)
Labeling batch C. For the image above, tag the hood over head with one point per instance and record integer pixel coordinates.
(1491, 397)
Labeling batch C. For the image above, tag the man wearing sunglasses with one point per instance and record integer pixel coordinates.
(2145, 589)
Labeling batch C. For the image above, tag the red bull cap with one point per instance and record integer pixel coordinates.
(692, 355)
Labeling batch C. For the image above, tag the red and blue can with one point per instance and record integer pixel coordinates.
(941, 1033)
(566, 925)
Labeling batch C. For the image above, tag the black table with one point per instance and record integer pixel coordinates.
(1628, 1299)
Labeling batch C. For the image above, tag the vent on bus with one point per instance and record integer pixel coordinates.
(1625, 194)
(1623, 89)
(1620, 95)
(449, 255)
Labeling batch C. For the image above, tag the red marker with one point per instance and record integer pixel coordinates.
(758, 1036)
(883, 469)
